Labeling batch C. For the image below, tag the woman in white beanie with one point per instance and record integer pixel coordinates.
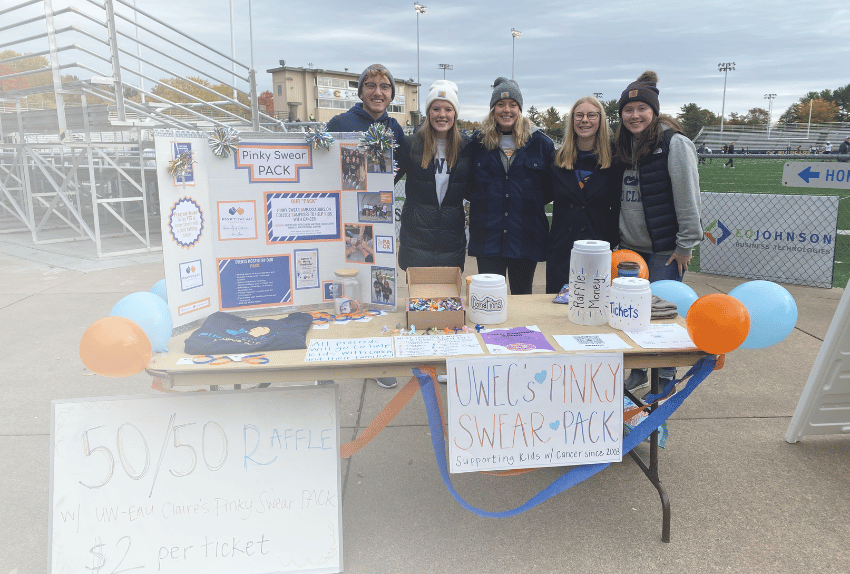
(508, 227)
(437, 164)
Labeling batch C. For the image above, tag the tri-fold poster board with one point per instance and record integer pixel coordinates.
(267, 226)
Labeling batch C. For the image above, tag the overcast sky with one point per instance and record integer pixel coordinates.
(567, 49)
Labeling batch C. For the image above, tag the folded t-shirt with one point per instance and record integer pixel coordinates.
(227, 333)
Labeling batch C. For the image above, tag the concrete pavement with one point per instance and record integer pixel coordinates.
(743, 500)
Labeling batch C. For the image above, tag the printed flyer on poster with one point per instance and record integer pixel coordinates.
(249, 283)
(534, 410)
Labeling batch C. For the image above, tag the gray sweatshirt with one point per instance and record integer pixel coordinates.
(682, 167)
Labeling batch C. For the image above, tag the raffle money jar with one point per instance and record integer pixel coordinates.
(488, 299)
(590, 270)
(346, 288)
(630, 305)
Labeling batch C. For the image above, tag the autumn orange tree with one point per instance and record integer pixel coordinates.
(267, 99)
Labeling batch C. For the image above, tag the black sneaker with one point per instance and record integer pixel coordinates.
(637, 379)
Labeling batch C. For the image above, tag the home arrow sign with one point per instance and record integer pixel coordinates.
(823, 174)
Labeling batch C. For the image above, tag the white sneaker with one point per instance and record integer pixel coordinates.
(387, 382)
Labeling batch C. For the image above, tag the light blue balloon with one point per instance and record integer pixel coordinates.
(675, 292)
(159, 289)
(772, 309)
(149, 312)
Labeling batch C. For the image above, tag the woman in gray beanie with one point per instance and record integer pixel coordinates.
(659, 199)
(508, 227)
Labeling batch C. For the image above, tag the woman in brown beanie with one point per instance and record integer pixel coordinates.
(659, 198)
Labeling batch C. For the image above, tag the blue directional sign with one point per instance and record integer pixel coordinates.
(822, 174)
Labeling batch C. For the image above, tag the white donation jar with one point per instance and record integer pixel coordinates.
(590, 276)
(630, 306)
(488, 299)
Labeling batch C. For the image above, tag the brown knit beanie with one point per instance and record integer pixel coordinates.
(642, 90)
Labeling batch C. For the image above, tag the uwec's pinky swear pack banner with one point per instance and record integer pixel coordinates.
(525, 412)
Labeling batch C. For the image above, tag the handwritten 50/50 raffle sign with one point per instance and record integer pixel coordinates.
(232, 481)
(527, 412)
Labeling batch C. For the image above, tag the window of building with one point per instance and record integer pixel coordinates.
(280, 89)
(352, 84)
(334, 104)
(332, 83)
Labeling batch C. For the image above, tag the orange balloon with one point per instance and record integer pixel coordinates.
(718, 323)
(628, 255)
(115, 347)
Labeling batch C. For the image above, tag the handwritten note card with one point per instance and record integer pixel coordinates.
(349, 349)
(509, 412)
(437, 345)
(662, 336)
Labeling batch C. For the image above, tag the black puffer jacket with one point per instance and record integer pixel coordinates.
(591, 211)
(432, 235)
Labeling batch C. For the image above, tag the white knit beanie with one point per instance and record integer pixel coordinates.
(443, 90)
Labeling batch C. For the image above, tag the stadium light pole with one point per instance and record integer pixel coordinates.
(514, 35)
(445, 67)
(724, 67)
(420, 9)
(769, 98)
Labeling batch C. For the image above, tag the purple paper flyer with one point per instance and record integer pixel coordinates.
(515, 340)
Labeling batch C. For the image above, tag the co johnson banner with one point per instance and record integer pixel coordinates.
(781, 238)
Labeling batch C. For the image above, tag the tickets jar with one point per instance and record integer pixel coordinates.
(590, 271)
(488, 299)
(347, 295)
(630, 306)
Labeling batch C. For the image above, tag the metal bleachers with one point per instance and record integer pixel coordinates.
(779, 139)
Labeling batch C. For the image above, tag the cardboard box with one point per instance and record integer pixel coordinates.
(431, 283)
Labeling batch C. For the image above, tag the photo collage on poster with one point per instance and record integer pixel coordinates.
(268, 226)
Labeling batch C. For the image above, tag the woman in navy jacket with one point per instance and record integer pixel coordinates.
(585, 187)
(508, 228)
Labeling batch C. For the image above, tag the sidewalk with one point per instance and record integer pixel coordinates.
(743, 500)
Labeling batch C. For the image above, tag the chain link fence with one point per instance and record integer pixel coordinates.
(758, 224)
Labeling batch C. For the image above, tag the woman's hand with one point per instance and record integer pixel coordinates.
(682, 262)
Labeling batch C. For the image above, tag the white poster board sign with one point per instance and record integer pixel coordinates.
(525, 412)
(266, 227)
(781, 238)
(822, 408)
(209, 482)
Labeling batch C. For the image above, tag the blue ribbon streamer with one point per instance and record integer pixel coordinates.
(577, 474)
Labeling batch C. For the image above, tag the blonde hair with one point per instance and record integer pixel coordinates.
(568, 153)
(490, 134)
(429, 143)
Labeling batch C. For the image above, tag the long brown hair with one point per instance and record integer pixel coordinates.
(647, 141)
(490, 135)
(429, 143)
(568, 153)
